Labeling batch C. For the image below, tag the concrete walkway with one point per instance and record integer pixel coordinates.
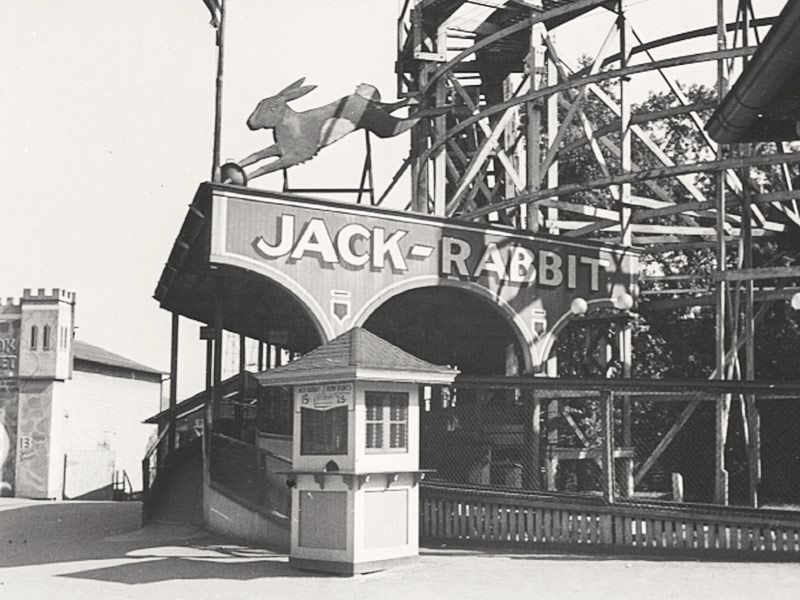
(88, 550)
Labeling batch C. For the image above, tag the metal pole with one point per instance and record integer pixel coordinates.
(173, 383)
(533, 176)
(721, 476)
(607, 409)
(215, 176)
(626, 162)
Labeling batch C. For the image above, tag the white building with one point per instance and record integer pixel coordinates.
(70, 413)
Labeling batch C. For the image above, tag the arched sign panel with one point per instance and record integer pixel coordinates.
(344, 261)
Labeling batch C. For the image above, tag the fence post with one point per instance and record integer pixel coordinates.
(552, 442)
(677, 487)
(723, 408)
(607, 411)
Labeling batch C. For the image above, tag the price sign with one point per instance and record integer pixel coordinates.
(324, 396)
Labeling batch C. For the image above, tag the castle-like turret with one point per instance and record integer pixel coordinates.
(46, 333)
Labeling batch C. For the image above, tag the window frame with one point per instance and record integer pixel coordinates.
(385, 422)
(311, 446)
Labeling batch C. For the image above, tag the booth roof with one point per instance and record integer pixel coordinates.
(356, 349)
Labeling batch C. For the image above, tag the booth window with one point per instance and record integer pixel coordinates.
(34, 336)
(323, 431)
(387, 421)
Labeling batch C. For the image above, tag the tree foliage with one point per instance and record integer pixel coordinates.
(680, 342)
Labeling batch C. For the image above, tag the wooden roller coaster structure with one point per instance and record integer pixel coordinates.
(496, 156)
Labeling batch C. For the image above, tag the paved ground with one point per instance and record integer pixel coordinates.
(88, 550)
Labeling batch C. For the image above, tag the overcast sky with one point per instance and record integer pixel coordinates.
(106, 128)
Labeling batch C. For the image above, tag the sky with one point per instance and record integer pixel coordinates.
(106, 130)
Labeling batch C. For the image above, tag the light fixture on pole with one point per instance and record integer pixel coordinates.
(624, 301)
(796, 301)
(579, 306)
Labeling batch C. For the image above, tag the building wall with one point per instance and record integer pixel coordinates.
(105, 412)
(55, 473)
(33, 440)
(9, 405)
(10, 315)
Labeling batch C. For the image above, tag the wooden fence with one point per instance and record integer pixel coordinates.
(464, 515)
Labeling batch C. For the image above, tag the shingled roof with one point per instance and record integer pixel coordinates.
(94, 354)
(355, 353)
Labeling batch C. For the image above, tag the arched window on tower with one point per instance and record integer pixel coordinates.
(46, 338)
(34, 336)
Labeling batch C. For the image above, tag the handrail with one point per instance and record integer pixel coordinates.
(151, 448)
(154, 444)
(649, 508)
(259, 449)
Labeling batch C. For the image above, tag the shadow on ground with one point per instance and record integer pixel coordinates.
(599, 553)
(66, 534)
(235, 563)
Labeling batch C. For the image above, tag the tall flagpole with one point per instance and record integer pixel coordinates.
(215, 174)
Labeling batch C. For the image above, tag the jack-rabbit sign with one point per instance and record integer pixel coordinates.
(299, 136)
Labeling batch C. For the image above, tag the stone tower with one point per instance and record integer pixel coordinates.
(47, 323)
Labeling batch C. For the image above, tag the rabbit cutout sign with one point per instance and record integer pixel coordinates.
(299, 136)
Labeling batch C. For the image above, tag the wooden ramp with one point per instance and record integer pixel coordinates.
(176, 494)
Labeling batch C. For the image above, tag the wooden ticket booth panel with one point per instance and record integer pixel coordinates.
(355, 461)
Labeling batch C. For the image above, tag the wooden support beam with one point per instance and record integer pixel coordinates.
(173, 382)
(723, 410)
(591, 453)
(537, 17)
(456, 151)
(637, 119)
(645, 138)
(609, 477)
(505, 160)
(578, 228)
(216, 396)
(579, 96)
(552, 172)
(581, 209)
(574, 426)
(689, 410)
(477, 162)
(531, 474)
(583, 80)
(636, 176)
(552, 442)
(533, 114)
(753, 274)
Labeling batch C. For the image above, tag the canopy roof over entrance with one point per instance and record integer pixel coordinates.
(248, 303)
(764, 103)
(297, 272)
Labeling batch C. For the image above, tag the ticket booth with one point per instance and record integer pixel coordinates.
(355, 462)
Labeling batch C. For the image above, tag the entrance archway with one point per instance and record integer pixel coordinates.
(450, 326)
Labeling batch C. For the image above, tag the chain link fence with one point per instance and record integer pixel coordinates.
(665, 441)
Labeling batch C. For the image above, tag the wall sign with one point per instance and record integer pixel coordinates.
(9, 348)
(344, 261)
(324, 396)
